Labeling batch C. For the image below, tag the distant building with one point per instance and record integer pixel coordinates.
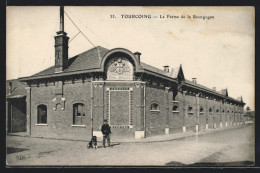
(72, 98)
(15, 106)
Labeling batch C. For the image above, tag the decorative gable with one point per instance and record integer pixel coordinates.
(120, 68)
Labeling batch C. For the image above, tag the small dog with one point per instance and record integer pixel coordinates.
(93, 143)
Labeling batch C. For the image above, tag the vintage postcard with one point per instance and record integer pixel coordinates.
(130, 86)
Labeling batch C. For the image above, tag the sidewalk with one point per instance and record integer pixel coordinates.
(175, 136)
(150, 139)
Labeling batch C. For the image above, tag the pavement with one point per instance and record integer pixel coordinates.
(233, 145)
(156, 138)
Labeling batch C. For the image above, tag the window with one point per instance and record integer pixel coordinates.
(228, 111)
(155, 107)
(175, 108)
(42, 114)
(223, 111)
(190, 109)
(201, 110)
(217, 110)
(210, 110)
(78, 114)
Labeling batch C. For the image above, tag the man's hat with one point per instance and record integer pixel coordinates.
(105, 120)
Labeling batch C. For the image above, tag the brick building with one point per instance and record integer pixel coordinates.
(72, 98)
(15, 106)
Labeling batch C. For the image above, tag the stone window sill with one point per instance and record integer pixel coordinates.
(155, 110)
(41, 124)
(175, 111)
(75, 125)
(175, 101)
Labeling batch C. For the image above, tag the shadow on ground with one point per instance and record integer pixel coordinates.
(212, 164)
(11, 150)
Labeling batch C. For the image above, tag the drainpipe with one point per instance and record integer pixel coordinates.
(207, 114)
(184, 112)
(144, 111)
(7, 113)
(91, 111)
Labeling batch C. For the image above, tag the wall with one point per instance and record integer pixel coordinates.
(59, 122)
(156, 120)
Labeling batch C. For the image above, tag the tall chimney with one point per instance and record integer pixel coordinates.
(10, 87)
(194, 80)
(214, 88)
(62, 18)
(166, 69)
(61, 46)
(137, 55)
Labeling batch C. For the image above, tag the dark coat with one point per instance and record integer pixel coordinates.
(105, 129)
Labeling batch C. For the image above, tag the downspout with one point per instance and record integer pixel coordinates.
(144, 111)
(30, 125)
(207, 114)
(91, 111)
(11, 122)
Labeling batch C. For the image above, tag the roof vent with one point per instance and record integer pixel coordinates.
(166, 69)
(137, 55)
(194, 80)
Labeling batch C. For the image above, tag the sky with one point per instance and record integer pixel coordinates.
(219, 51)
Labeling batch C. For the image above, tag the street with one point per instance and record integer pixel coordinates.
(230, 147)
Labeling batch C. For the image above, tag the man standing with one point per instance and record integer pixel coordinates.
(106, 133)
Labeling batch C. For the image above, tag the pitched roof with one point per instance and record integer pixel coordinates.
(222, 92)
(199, 85)
(87, 60)
(18, 89)
(90, 59)
(153, 69)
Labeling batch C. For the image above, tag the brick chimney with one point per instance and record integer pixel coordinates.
(137, 55)
(194, 80)
(61, 46)
(166, 69)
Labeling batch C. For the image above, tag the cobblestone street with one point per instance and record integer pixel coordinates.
(231, 147)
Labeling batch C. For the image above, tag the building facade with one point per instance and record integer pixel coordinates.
(15, 106)
(72, 98)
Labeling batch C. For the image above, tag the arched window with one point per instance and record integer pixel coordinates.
(42, 114)
(175, 108)
(190, 109)
(78, 114)
(217, 110)
(223, 111)
(228, 111)
(210, 110)
(201, 110)
(155, 107)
